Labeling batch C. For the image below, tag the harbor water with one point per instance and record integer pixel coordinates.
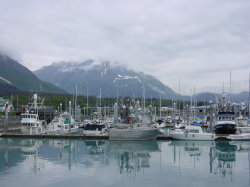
(69, 162)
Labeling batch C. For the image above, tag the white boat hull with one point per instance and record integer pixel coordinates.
(72, 130)
(31, 130)
(192, 136)
(239, 137)
(138, 133)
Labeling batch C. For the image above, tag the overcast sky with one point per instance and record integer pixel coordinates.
(198, 41)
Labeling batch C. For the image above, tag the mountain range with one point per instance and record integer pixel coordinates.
(104, 78)
(238, 97)
(16, 77)
(91, 78)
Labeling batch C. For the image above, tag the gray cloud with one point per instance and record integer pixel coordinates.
(198, 41)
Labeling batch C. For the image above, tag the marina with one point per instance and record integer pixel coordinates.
(124, 93)
(128, 121)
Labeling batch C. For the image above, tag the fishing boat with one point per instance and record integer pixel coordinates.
(64, 123)
(191, 132)
(225, 119)
(225, 123)
(136, 128)
(30, 123)
(133, 133)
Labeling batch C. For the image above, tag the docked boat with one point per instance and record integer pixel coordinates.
(225, 118)
(241, 121)
(133, 133)
(160, 123)
(131, 128)
(191, 132)
(225, 123)
(30, 123)
(64, 123)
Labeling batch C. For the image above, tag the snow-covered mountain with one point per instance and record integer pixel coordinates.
(103, 77)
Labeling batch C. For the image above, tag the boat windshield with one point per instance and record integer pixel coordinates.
(226, 117)
(193, 130)
(29, 116)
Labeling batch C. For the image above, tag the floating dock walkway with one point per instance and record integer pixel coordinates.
(81, 136)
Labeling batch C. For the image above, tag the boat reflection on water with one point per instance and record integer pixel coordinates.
(95, 147)
(194, 148)
(221, 154)
(15, 151)
(224, 156)
(242, 146)
(30, 146)
(133, 155)
(123, 163)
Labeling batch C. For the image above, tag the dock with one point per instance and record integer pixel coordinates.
(82, 136)
(55, 136)
(67, 136)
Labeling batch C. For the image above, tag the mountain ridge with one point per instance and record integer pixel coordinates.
(21, 78)
(103, 77)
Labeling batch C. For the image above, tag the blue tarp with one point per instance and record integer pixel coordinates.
(197, 124)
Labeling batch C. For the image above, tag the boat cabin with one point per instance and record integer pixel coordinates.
(193, 129)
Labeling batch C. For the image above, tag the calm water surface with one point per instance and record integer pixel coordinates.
(47, 162)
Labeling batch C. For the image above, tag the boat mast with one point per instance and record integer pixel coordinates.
(194, 101)
(230, 88)
(117, 93)
(76, 102)
(179, 102)
(35, 103)
(100, 102)
(73, 102)
(70, 117)
(70, 107)
(160, 105)
(87, 97)
(144, 103)
(249, 98)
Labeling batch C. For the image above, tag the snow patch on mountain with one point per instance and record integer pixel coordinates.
(5, 80)
(70, 67)
(126, 77)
